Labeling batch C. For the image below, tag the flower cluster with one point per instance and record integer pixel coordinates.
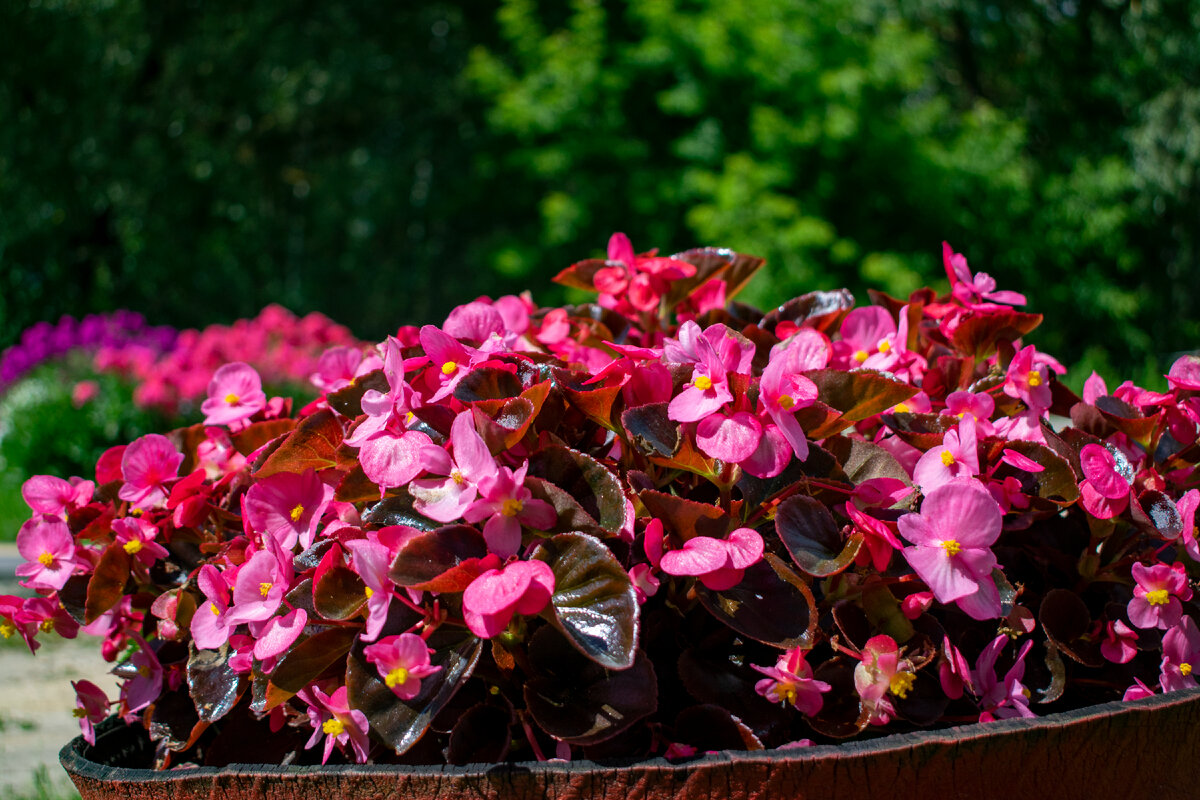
(284, 349)
(660, 524)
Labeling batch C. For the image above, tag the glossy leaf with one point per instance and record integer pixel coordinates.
(442, 560)
(661, 439)
(487, 383)
(480, 736)
(338, 593)
(107, 583)
(1066, 621)
(686, 518)
(978, 333)
(820, 310)
(212, 683)
(711, 727)
(356, 487)
(595, 486)
(571, 515)
(736, 269)
(764, 607)
(842, 714)
(859, 394)
(594, 400)
(397, 509)
(347, 401)
(594, 603)
(577, 700)
(863, 461)
(310, 657)
(812, 537)
(312, 445)
(402, 723)
(254, 436)
(581, 274)
(1056, 482)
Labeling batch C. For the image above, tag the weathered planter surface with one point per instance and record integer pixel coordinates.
(1148, 749)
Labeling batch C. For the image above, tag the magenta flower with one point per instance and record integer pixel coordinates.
(783, 390)
(521, 587)
(46, 494)
(633, 282)
(956, 457)
(1001, 698)
(791, 682)
(882, 672)
(732, 438)
(334, 721)
(958, 523)
(1118, 645)
(287, 507)
(372, 559)
(48, 548)
(451, 360)
(863, 332)
(878, 540)
(91, 708)
(210, 625)
(446, 499)
(1181, 656)
(259, 588)
(718, 563)
(402, 661)
(1158, 596)
(975, 291)
(1105, 488)
(144, 678)
(14, 622)
(1187, 507)
(136, 537)
(507, 505)
(707, 391)
(273, 637)
(1184, 374)
(1028, 381)
(235, 394)
(147, 465)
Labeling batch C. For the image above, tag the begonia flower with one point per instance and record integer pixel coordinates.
(46, 494)
(287, 506)
(1001, 698)
(402, 661)
(507, 505)
(335, 722)
(445, 499)
(718, 563)
(48, 548)
(148, 464)
(1104, 491)
(91, 708)
(235, 394)
(880, 672)
(1118, 644)
(791, 682)
(491, 600)
(1158, 596)
(956, 457)
(1181, 656)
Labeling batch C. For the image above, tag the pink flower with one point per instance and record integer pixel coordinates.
(451, 361)
(334, 721)
(708, 389)
(1138, 691)
(447, 498)
(783, 390)
(631, 283)
(1029, 381)
(337, 368)
(878, 539)
(958, 523)
(235, 394)
(144, 678)
(259, 589)
(507, 505)
(1187, 507)
(718, 563)
(402, 662)
(210, 624)
(1184, 374)
(732, 438)
(287, 507)
(1181, 656)
(1106, 485)
(881, 672)
(48, 548)
(277, 634)
(136, 537)
(864, 331)
(521, 587)
(1118, 642)
(147, 465)
(1158, 594)
(956, 457)
(372, 559)
(46, 494)
(973, 290)
(1001, 698)
(791, 682)
(91, 707)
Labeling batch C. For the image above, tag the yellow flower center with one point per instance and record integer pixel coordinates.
(861, 356)
(951, 547)
(512, 507)
(144, 671)
(46, 558)
(264, 588)
(703, 383)
(449, 367)
(213, 607)
(1034, 378)
(133, 546)
(458, 478)
(369, 592)
(396, 677)
(232, 399)
(1158, 597)
(787, 692)
(79, 713)
(948, 458)
(296, 513)
(47, 625)
(901, 683)
(333, 727)
(135, 512)
(1185, 669)
(786, 402)
(7, 629)
(901, 408)
(885, 346)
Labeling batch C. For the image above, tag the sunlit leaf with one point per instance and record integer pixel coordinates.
(312, 445)
(212, 683)
(107, 583)
(595, 486)
(812, 537)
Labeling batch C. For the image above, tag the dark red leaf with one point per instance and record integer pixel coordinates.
(107, 583)
(813, 538)
(312, 445)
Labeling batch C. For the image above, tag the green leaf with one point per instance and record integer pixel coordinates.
(811, 536)
(594, 603)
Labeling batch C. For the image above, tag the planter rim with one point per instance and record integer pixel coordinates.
(74, 760)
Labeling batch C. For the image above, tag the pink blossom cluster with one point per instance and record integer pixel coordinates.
(660, 524)
(283, 348)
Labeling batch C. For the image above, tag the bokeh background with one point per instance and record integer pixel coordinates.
(379, 163)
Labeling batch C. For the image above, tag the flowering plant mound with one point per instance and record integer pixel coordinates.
(657, 524)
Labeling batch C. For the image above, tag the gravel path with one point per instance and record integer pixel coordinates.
(36, 699)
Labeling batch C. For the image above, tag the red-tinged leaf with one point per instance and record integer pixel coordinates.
(213, 685)
(686, 518)
(863, 461)
(765, 606)
(1127, 419)
(338, 592)
(820, 310)
(356, 487)
(978, 333)
(812, 537)
(173, 721)
(594, 400)
(577, 700)
(1056, 482)
(842, 714)
(402, 723)
(571, 515)
(502, 423)
(736, 269)
(107, 583)
(486, 382)
(312, 445)
(480, 736)
(252, 437)
(310, 657)
(595, 486)
(347, 401)
(710, 727)
(820, 421)
(443, 560)
(185, 441)
(397, 509)
(922, 431)
(661, 439)
(1066, 621)
(594, 603)
(859, 394)
(582, 274)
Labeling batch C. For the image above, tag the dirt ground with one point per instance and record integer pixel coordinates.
(36, 700)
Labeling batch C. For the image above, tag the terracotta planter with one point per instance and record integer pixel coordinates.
(1144, 749)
